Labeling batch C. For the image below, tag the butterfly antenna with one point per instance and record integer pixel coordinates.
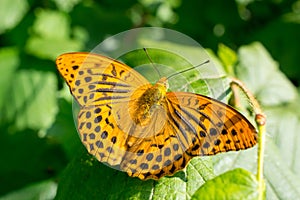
(156, 69)
(188, 69)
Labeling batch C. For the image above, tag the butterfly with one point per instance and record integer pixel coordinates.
(144, 129)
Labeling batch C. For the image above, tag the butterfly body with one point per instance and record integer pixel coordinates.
(145, 106)
(143, 129)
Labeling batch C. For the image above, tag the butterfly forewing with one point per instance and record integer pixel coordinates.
(98, 80)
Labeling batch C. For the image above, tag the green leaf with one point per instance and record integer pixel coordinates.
(203, 79)
(46, 41)
(27, 158)
(63, 129)
(279, 177)
(164, 63)
(47, 22)
(31, 100)
(235, 184)
(66, 5)
(44, 190)
(261, 75)
(195, 55)
(228, 58)
(98, 180)
(47, 48)
(11, 13)
(9, 61)
(283, 183)
(184, 183)
(283, 127)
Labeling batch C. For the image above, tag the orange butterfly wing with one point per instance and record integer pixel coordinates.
(92, 77)
(216, 127)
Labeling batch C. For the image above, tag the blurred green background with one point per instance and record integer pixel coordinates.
(38, 138)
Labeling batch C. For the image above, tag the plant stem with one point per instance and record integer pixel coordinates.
(260, 161)
(260, 120)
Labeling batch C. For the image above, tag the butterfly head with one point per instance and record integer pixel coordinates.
(162, 84)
